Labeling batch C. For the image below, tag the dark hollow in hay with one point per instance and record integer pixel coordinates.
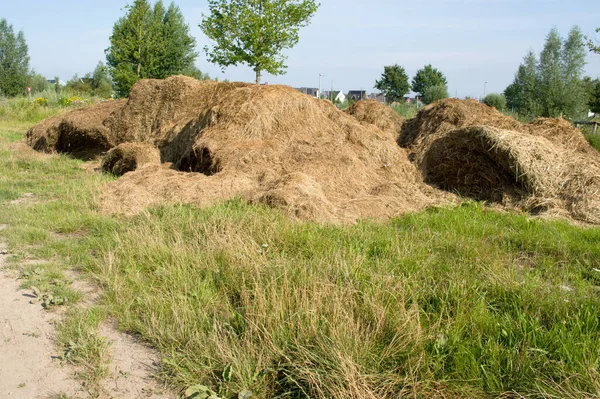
(466, 162)
(128, 157)
(200, 160)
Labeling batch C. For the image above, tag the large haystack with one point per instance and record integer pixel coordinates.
(375, 113)
(472, 149)
(80, 132)
(268, 144)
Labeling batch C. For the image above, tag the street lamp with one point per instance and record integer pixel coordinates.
(320, 76)
(484, 89)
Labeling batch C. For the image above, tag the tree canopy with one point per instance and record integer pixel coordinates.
(435, 93)
(255, 32)
(553, 86)
(495, 100)
(393, 83)
(150, 42)
(594, 46)
(428, 77)
(14, 61)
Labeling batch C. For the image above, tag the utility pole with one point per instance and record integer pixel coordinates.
(331, 92)
(320, 76)
(484, 89)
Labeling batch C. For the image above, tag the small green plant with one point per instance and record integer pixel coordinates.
(200, 392)
(41, 101)
(48, 300)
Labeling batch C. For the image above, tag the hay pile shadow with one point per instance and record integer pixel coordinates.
(80, 132)
(472, 149)
(265, 144)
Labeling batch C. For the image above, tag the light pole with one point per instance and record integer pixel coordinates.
(320, 76)
(484, 89)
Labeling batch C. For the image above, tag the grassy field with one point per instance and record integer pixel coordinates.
(463, 302)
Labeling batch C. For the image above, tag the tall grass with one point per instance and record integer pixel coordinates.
(462, 302)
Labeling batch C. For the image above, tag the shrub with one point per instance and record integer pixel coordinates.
(495, 100)
(41, 101)
(435, 93)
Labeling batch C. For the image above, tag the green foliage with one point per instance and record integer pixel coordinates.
(149, 43)
(14, 61)
(553, 87)
(593, 139)
(495, 100)
(435, 93)
(38, 83)
(393, 83)
(522, 95)
(407, 111)
(426, 78)
(255, 32)
(594, 46)
(101, 81)
(592, 88)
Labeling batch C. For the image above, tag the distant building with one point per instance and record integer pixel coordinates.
(379, 97)
(53, 82)
(313, 92)
(335, 96)
(591, 114)
(356, 95)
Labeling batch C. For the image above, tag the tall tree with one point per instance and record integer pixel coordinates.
(255, 32)
(149, 42)
(574, 98)
(554, 87)
(522, 95)
(14, 61)
(393, 83)
(428, 77)
(551, 75)
(593, 95)
(101, 81)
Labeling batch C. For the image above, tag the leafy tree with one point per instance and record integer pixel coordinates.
(574, 97)
(255, 32)
(101, 82)
(495, 100)
(593, 94)
(554, 86)
(38, 83)
(394, 83)
(594, 47)
(426, 78)
(80, 85)
(435, 93)
(149, 42)
(522, 95)
(14, 61)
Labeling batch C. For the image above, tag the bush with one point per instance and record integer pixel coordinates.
(41, 101)
(435, 93)
(495, 100)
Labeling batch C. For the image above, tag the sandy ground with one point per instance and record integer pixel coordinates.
(29, 368)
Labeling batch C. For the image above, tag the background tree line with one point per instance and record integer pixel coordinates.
(429, 83)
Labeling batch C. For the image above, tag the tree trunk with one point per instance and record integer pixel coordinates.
(257, 70)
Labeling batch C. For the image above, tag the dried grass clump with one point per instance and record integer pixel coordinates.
(471, 149)
(80, 132)
(128, 157)
(374, 113)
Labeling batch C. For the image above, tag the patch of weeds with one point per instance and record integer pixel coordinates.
(82, 344)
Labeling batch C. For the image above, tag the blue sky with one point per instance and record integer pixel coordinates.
(471, 41)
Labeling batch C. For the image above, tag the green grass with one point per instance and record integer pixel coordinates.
(407, 111)
(593, 139)
(462, 302)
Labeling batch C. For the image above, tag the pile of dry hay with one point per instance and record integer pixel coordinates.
(266, 144)
(474, 150)
(274, 145)
(375, 113)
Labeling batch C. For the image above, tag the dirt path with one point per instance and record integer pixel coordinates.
(27, 367)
